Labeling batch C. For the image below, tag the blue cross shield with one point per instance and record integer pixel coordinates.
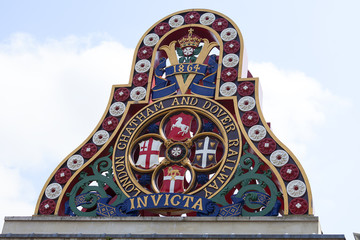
(205, 153)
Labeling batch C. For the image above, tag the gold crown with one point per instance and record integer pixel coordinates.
(189, 40)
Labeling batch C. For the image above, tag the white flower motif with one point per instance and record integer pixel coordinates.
(230, 60)
(228, 34)
(176, 21)
(279, 158)
(75, 162)
(257, 133)
(142, 66)
(138, 93)
(207, 19)
(176, 151)
(117, 109)
(246, 103)
(228, 89)
(100, 137)
(151, 39)
(53, 191)
(188, 51)
(296, 188)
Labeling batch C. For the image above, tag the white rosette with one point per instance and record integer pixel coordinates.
(142, 66)
(207, 19)
(228, 34)
(176, 151)
(138, 93)
(228, 89)
(117, 109)
(53, 191)
(230, 60)
(75, 162)
(298, 205)
(246, 103)
(296, 188)
(151, 39)
(257, 133)
(100, 137)
(176, 21)
(279, 158)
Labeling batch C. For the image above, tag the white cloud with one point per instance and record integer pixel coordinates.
(52, 88)
(295, 104)
(312, 121)
(14, 189)
(52, 96)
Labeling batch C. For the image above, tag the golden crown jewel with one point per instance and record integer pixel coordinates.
(189, 40)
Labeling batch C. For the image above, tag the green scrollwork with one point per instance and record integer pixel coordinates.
(90, 189)
(254, 186)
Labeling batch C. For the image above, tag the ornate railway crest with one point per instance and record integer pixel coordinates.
(186, 132)
(185, 136)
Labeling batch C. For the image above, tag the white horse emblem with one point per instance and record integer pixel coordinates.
(184, 128)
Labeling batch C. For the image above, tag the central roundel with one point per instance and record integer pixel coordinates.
(176, 152)
(185, 145)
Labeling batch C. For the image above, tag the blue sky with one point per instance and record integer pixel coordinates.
(58, 60)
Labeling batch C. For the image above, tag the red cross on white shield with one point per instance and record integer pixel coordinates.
(149, 153)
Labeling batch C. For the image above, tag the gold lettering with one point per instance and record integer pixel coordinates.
(132, 203)
(130, 130)
(187, 198)
(207, 193)
(234, 142)
(156, 202)
(220, 113)
(214, 185)
(232, 153)
(185, 101)
(120, 168)
(206, 105)
(172, 200)
(133, 122)
(175, 102)
(121, 146)
(127, 185)
(140, 116)
(126, 180)
(122, 174)
(166, 199)
(189, 68)
(230, 127)
(225, 120)
(140, 201)
(138, 191)
(193, 101)
(119, 160)
(198, 204)
(149, 111)
(227, 167)
(123, 138)
(160, 106)
(196, 67)
(214, 109)
(231, 161)
(130, 188)
(222, 177)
